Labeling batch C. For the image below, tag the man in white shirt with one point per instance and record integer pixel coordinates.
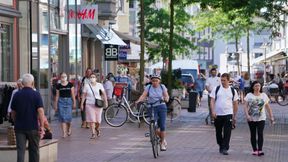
(211, 83)
(224, 107)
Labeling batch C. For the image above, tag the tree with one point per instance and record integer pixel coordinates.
(270, 10)
(167, 32)
(227, 25)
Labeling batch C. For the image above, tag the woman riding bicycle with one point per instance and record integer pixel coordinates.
(154, 92)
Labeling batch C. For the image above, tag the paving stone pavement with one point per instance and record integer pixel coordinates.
(189, 140)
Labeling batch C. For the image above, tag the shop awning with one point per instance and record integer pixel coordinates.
(271, 56)
(106, 36)
(10, 12)
(135, 39)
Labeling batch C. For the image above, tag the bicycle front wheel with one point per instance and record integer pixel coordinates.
(116, 115)
(282, 99)
(154, 139)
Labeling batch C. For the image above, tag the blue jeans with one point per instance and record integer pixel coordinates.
(160, 113)
(33, 145)
(65, 109)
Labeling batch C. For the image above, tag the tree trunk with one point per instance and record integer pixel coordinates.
(170, 58)
(248, 50)
(142, 61)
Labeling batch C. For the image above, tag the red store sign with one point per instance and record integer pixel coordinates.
(83, 14)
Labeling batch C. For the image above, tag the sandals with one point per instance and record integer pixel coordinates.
(93, 136)
(98, 132)
(69, 132)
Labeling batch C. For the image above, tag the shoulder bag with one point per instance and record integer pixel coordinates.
(98, 103)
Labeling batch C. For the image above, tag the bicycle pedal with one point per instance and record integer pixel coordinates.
(147, 134)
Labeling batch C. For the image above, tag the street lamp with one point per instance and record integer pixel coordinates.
(264, 46)
(240, 52)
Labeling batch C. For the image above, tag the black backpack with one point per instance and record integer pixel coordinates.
(217, 89)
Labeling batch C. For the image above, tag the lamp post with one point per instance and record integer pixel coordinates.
(264, 46)
(265, 73)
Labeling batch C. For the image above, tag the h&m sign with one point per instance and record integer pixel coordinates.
(84, 14)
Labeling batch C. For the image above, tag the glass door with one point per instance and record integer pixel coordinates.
(6, 53)
(54, 54)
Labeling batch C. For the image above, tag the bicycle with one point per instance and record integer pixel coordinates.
(117, 114)
(154, 138)
(281, 97)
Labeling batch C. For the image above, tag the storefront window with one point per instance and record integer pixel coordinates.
(54, 54)
(6, 54)
(6, 2)
(58, 14)
(34, 39)
(44, 49)
(75, 59)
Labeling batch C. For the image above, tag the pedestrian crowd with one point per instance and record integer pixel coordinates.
(93, 95)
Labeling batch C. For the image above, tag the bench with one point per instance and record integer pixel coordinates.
(47, 150)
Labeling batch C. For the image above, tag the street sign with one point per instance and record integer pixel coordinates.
(111, 52)
(122, 55)
(85, 14)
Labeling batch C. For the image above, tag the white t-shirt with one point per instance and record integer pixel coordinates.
(212, 82)
(256, 106)
(108, 86)
(90, 99)
(224, 104)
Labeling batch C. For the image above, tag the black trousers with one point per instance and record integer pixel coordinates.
(33, 145)
(256, 128)
(223, 125)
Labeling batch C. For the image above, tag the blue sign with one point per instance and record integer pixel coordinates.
(122, 55)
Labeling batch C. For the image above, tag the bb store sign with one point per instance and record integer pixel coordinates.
(111, 52)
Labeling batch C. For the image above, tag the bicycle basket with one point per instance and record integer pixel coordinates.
(118, 91)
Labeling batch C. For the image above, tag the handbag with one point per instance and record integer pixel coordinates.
(98, 103)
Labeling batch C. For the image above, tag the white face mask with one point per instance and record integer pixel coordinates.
(92, 80)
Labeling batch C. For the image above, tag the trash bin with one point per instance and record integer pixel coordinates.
(192, 101)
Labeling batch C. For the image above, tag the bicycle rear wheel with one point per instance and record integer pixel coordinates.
(282, 99)
(154, 140)
(174, 109)
(116, 115)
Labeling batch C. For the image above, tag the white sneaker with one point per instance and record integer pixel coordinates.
(163, 147)
(165, 142)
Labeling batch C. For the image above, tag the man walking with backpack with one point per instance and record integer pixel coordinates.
(224, 107)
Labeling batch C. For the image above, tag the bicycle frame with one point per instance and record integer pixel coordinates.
(123, 101)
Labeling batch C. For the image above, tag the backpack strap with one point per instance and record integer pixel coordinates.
(216, 92)
(232, 90)
(233, 93)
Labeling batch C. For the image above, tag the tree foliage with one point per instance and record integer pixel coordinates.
(269, 10)
(157, 25)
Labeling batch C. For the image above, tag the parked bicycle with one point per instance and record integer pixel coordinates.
(120, 112)
(281, 97)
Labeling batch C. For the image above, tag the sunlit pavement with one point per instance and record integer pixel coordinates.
(189, 139)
